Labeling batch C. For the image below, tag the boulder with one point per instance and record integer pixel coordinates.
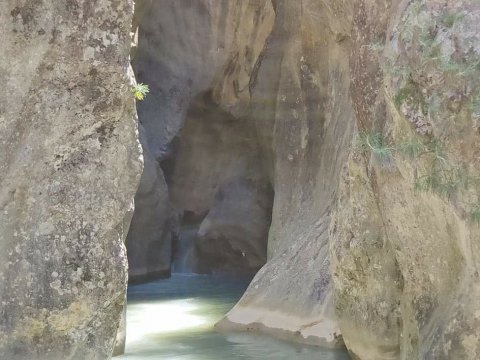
(233, 236)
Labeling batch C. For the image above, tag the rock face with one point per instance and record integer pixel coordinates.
(304, 123)
(203, 143)
(233, 236)
(365, 119)
(362, 118)
(405, 235)
(149, 239)
(69, 168)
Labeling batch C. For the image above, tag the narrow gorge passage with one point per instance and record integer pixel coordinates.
(203, 209)
(310, 172)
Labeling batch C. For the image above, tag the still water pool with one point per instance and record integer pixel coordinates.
(173, 320)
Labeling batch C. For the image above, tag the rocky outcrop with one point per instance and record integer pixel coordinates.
(213, 149)
(405, 250)
(202, 143)
(304, 122)
(365, 118)
(183, 46)
(233, 236)
(69, 167)
(149, 240)
(362, 115)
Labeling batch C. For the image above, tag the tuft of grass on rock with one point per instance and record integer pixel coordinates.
(450, 18)
(381, 150)
(475, 214)
(413, 147)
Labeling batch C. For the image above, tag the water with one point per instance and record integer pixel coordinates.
(173, 320)
(183, 249)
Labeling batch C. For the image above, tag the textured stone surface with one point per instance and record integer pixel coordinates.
(212, 149)
(405, 250)
(380, 249)
(304, 123)
(197, 58)
(233, 236)
(183, 45)
(404, 262)
(149, 239)
(69, 168)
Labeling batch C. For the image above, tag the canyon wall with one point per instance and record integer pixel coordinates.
(405, 234)
(362, 115)
(206, 148)
(69, 167)
(348, 130)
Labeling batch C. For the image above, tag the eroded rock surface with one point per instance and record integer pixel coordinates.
(385, 251)
(197, 58)
(149, 240)
(362, 115)
(69, 168)
(233, 236)
(405, 250)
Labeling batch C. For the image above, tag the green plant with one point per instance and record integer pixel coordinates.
(475, 214)
(434, 104)
(378, 146)
(140, 91)
(474, 107)
(450, 18)
(411, 94)
(412, 147)
(439, 156)
(460, 68)
(377, 47)
(440, 181)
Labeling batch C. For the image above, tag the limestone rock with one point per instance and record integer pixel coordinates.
(212, 149)
(198, 66)
(233, 236)
(149, 239)
(183, 46)
(405, 250)
(304, 124)
(69, 167)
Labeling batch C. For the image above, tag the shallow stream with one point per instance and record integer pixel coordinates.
(173, 320)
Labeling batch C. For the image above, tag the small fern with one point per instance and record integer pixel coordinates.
(140, 91)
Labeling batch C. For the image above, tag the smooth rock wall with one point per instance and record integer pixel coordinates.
(149, 239)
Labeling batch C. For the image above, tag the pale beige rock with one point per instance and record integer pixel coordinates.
(304, 123)
(69, 167)
(405, 262)
(233, 236)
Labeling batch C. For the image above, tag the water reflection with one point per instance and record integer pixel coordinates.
(173, 320)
